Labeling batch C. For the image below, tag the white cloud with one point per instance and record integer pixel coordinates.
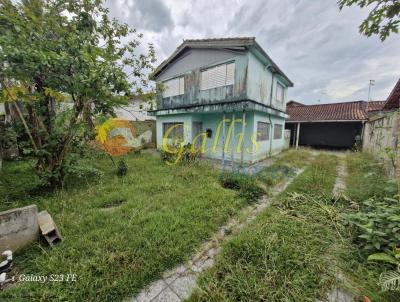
(317, 46)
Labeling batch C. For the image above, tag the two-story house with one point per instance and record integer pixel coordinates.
(209, 83)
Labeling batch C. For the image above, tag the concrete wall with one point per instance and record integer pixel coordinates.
(271, 146)
(18, 228)
(135, 112)
(191, 73)
(212, 121)
(383, 131)
(259, 84)
(253, 80)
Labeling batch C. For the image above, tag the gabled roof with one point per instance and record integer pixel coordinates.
(236, 44)
(351, 111)
(294, 104)
(393, 101)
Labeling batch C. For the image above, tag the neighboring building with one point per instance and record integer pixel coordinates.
(382, 131)
(136, 110)
(209, 80)
(334, 125)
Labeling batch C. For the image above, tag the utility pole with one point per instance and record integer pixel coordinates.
(371, 83)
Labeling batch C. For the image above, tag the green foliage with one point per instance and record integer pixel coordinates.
(179, 153)
(50, 50)
(382, 20)
(293, 250)
(163, 220)
(274, 174)
(122, 168)
(367, 178)
(246, 185)
(378, 224)
(390, 280)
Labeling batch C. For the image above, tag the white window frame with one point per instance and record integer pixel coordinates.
(217, 76)
(177, 87)
(279, 85)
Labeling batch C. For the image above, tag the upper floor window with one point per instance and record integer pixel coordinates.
(174, 87)
(280, 93)
(218, 76)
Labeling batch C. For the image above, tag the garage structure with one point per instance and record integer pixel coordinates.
(333, 126)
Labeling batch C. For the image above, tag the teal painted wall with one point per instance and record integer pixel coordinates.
(211, 121)
(259, 80)
(265, 146)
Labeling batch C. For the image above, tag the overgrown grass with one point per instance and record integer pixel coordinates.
(295, 158)
(246, 185)
(164, 213)
(274, 174)
(295, 250)
(367, 178)
(280, 256)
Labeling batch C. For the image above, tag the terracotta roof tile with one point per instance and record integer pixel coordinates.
(355, 111)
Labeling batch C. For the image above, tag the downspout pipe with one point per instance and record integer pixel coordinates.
(273, 71)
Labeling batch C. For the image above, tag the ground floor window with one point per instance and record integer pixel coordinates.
(278, 131)
(262, 131)
(176, 131)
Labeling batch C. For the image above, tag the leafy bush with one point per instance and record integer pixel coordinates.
(246, 185)
(180, 154)
(122, 168)
(378, 224)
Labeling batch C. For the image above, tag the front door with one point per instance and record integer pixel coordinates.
(197, 127)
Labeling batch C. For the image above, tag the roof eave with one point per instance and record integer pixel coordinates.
(262, 51)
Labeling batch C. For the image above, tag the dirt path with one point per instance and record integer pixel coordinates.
(337, 294)
(178, 284)
(340, 184)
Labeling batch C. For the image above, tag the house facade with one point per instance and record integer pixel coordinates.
(136, 109)
(225, 96)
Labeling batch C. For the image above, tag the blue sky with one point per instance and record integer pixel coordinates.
(315, 44)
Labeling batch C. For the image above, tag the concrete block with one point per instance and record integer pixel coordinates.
(18, 228)
(48, 228)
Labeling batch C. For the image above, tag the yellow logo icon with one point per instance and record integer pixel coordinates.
(116, 136)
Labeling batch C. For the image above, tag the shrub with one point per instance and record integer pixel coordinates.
(377, 224)
(246, 185)
(122, 168)
(185, 155)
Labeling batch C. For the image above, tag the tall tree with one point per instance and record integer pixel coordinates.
(59, 50)
(383, 19)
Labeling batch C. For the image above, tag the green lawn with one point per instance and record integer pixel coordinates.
(166, 212)
(294, 250)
